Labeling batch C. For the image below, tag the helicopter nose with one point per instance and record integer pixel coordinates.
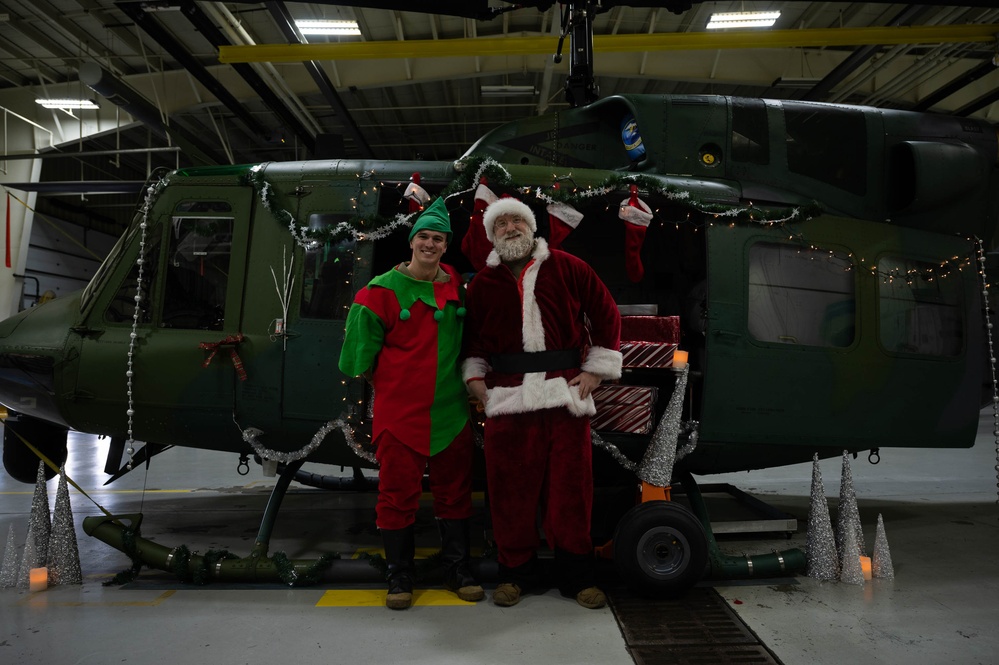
(27, 385)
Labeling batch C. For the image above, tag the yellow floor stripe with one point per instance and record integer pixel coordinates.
(376, 598)
(40, 600)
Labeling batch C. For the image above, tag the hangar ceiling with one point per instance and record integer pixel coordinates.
(234, 83)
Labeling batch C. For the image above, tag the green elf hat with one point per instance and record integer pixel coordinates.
(434, 218)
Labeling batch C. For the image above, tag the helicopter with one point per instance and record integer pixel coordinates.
(824, 264)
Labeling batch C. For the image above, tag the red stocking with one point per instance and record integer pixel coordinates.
(475, 245)
(562, 220)
(637, 216)
(417, 196)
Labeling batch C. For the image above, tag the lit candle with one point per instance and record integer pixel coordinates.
(865, 566)
(38, 579)
(679, 359)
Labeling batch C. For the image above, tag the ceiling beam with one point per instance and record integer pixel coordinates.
(534, 44)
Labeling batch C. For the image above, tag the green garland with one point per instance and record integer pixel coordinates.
(374, 227)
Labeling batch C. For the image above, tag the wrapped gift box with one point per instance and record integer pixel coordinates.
(628, 409)
(665, 329)
(647, 354)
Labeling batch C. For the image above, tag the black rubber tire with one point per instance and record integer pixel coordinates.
(18, 460)
(660, 548)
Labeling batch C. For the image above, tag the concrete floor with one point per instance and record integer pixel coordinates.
(939, 509)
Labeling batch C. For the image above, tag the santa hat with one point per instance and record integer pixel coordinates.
(507, 206)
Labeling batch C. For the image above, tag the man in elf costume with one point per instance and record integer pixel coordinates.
(403, 334)
(542, 332)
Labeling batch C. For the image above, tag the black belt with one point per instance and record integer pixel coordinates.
(537, 361)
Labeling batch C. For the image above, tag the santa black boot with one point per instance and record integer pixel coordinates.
(400, 548)
(455, 555)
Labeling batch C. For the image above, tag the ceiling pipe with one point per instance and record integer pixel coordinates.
(285, 23)
(958, 83)
(215, 37)
(135, 11)
(119, 93)
(238, 34)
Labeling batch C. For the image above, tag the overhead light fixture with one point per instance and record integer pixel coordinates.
(341, 28)
(723, 20)
(791, 82)
(68, 103)
(508, 90)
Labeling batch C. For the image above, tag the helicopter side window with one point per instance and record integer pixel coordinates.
(197, 269)
(328, 281)
(750, 133)
(829, 145)
(121, 309)
(801, 296)
(920, 307)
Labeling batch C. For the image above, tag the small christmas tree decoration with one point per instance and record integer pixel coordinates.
(29, 560)
(637, 215)
(881, 566)
(8, 572)
(64, 553)
(850, 571)
(848, 517)
(820, 544)
(39, 522)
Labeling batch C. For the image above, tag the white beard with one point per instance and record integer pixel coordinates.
(512, 249)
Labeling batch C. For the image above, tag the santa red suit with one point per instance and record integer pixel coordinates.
(527, 337)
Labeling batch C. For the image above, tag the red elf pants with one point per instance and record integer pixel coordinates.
(400, 477)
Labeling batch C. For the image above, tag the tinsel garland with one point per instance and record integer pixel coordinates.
(250, 435)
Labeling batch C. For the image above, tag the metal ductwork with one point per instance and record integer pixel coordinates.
(119, 93)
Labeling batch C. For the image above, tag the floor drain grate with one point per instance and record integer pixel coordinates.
(697, 628)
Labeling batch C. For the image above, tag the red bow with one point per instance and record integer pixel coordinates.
(233, 341)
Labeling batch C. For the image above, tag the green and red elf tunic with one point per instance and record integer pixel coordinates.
(408, 333)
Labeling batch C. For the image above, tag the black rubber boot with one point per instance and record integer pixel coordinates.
(400, 548)
(455, 550)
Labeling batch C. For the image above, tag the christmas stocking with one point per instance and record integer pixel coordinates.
(475, 245)
(637, 216)
(417, 196)
(562, 219)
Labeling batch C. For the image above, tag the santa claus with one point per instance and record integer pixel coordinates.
(542, 331)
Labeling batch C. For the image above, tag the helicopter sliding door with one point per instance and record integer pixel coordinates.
(840, 334)
(176, 288)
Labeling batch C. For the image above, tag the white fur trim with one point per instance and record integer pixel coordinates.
(602, 362)
(493, 260)
(507, 206)
(537, 393)
(473, 367)
(483, 193)
(566, 213)
(640, 216)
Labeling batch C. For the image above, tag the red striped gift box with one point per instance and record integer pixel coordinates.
(647, 354)
(624, 408)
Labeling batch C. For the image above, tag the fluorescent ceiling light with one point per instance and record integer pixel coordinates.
(508, 91)
(68, 103)
(343, 28)
(742, 20)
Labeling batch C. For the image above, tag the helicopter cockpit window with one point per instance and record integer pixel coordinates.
(801, 295)
(122, 307)
(328, 283)
(197, 269)
(920, 307)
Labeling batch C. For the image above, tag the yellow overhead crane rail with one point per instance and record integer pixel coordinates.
(543, 44)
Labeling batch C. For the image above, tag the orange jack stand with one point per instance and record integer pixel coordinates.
(649, 492)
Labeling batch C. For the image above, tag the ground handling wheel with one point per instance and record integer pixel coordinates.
(660, 548)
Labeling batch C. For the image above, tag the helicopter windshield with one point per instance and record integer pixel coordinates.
(107, 266)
